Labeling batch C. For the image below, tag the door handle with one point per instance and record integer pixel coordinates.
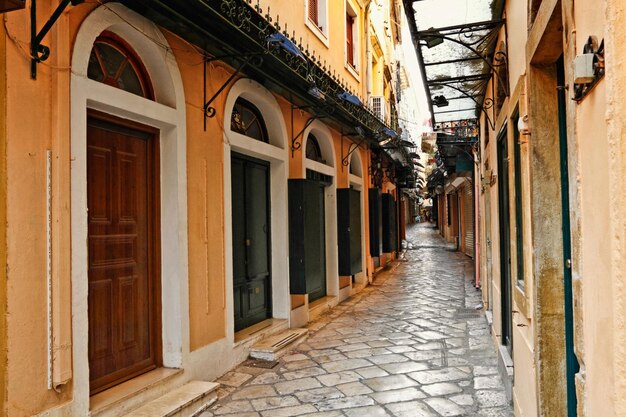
(248, 242)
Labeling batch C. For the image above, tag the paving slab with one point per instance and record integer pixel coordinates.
(398, 348)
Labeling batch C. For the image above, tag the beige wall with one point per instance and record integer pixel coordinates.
(3, 185)
(615, 26)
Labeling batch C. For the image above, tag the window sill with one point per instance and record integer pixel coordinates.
(323, 37)
(353, 71)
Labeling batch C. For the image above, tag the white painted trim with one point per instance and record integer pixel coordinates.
(356, 38)
(276, 153)
(322, 34)
(357, 182)
(168, 115)
(325, 140)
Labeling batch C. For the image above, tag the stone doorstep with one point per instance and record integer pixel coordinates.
(129, 395)
(273, 347)
(317, 307)
(189, 400)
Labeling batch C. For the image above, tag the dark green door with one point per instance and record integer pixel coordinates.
(505, 245)
(251, 241)
(314, 230)
(571, 362)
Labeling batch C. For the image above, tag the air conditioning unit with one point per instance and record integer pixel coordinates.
(377, 104)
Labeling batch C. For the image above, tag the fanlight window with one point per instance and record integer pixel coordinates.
(313, 150)
(114, 63)
(247, 120)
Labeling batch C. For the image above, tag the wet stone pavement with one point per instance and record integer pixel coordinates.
(411, 344)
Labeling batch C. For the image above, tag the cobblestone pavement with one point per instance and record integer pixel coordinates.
(410, 345)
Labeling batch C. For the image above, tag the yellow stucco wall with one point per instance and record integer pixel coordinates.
(3, 185)
(38, 119)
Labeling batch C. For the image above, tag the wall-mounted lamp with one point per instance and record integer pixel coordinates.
(350, 98)
(434, 40)
(588, 68)
(440, 101)
(384, 141)
(522, 125)
(389, 132)
(317, 93)
(281, 41)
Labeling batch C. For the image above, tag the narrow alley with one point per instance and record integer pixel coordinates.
(410, 345)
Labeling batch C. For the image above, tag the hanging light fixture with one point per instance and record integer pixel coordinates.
(350, 98)
(440, 101)
(283, 42)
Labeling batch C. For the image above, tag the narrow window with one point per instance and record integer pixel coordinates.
(247, 120)
(350, 39)
(314, 12)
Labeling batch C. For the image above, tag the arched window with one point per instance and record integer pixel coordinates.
(247, 120)
(313, 150)
(114, 63)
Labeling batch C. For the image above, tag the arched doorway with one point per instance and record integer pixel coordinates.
(128, 132)
(255, 183)
(321, 213)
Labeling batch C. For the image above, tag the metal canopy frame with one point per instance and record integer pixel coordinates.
(39, 52)
(473, 46)
(231, 30)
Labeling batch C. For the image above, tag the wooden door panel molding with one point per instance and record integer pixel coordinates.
(123, 247)
(252, 284)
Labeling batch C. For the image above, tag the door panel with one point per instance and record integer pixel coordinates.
(505, 246)
(122, 270)
(251, 241)
(314, 230)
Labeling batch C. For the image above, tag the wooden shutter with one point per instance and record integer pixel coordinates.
(349, 38)
(313, 12)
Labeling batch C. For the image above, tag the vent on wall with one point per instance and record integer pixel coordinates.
(377, 104)
(9, 5)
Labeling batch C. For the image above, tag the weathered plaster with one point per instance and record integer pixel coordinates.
(3, 249)
(547, 240)
(615, 37)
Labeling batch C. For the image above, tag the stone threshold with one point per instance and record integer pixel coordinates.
(260, 330)
(122, 398)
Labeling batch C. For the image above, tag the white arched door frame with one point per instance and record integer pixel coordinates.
(166, 113)
(356, 180)
(326, 143)
(275, 152)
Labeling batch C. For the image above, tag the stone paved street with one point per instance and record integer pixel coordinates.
(410, 345)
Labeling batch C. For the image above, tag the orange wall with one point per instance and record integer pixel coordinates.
(3, 185)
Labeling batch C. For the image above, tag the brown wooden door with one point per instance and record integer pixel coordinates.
(121, 199)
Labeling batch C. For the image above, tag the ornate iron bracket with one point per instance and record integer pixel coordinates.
(345, 160)
(255, 59)
(488, 103)
(296, 142)
(39, 52)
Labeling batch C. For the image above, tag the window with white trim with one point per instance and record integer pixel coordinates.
(317, 16)
(352, 37)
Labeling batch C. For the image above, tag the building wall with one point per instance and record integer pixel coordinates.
(595, 152)
(197, 297)
(3, 186)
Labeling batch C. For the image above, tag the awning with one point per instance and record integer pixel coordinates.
(455, 41)
(234, 31)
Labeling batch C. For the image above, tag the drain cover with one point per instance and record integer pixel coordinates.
(468, 313)
(257, 363)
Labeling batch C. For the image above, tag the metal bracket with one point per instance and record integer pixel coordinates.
(353, 147)
(39, 52)
(295, 142)
(250, 59)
